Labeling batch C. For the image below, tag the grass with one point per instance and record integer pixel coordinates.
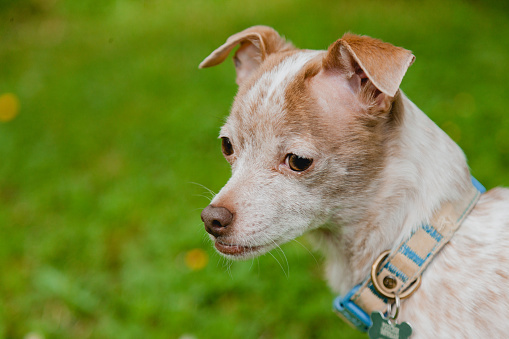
(100, 235)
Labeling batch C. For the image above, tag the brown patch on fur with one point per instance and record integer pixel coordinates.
(265, 38)
(270, 42)
(377, 136)
(502, 274)
(384, 64)
(243, 111)
(270, 63)
(256, 44)
(351, 134)
(374, 68)
(396, 115)
(380, 131)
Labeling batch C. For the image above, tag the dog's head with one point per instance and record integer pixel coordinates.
(305, 137)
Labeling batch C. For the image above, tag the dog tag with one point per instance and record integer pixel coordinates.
(382, 328)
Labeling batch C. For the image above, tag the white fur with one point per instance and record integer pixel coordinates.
(259, 213)
(428, 170)
(464, 290)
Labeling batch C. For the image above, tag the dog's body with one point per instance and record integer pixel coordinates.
(325, 141)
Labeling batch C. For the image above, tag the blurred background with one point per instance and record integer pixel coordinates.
(108, 131)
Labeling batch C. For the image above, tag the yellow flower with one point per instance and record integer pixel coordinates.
(196, 259)
(9, 107)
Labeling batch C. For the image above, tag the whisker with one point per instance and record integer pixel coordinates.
(203, 196)
(307, 249)
(252, 264)
(279, 264)
(286, 272)
(281, 253)
(229, 268)
(205, 237)
(251, 238)
(226, 265)
(211, 192)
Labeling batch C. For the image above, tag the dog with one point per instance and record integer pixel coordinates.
(325, 142)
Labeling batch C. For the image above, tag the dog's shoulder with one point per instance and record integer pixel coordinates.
(469, 278)
(485, 232)
(492, 211)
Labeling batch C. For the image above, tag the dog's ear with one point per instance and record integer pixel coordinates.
(373, 68)
(256, 43)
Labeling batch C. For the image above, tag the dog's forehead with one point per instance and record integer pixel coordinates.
(260, 109)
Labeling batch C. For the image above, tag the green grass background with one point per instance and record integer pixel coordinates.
(97, 203)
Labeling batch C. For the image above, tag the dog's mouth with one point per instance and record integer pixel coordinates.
(235, 250)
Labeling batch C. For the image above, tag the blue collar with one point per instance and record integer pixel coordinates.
(366, 297)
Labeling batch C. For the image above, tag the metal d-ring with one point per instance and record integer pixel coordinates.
(391, 295)
(397, 303)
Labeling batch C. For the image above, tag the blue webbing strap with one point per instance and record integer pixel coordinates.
(354, 314)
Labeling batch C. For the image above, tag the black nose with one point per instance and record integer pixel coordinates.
(216, 220)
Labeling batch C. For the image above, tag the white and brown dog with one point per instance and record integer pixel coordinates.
(325, 141)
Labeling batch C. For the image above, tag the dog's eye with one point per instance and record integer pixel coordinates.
(227, 146)
(297, 163)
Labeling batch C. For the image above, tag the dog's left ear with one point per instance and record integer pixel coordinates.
(373, 68)
(256, 43)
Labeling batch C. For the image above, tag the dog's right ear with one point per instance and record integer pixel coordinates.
(256, 43)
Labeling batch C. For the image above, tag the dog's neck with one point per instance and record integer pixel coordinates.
(424, 168)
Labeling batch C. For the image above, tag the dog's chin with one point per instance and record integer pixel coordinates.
(239, 252)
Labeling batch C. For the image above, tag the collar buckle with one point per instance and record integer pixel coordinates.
(350, 312)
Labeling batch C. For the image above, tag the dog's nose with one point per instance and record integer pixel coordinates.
(216, 219)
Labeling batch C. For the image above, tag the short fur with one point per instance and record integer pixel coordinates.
(380, 168)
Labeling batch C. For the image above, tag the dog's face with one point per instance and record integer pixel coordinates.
(305, 137)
